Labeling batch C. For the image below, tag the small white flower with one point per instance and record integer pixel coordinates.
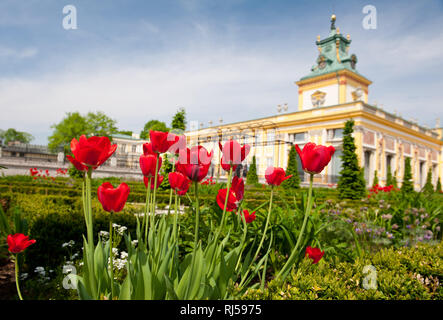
(123, 254)
(115, 251)
(23, 276)
(121, 230)
(103, 234)
(134, 242)
(115, 226)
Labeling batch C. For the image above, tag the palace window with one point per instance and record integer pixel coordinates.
(271, 136)
(299, 137)
(335, 134)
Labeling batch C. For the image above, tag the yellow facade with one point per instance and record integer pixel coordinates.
(326, 101)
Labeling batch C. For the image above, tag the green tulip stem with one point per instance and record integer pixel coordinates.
(176, 217)
(155, 191)
(16, 278)
(145, 218)
(111, 255)
(266, 225)
(222, 224)
(170, 191)
(263, 237)
(197, 214)
(287, 267)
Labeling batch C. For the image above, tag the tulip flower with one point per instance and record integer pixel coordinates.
(232, 202)
(314, 253)
(148, 164)
(113, 200)
(77, 164)
(194, 163)
(146, 181)
(226, 166)
(238, 187)
(162, 141)
(233, 152)
(275, 176)
(249, 217)
(179, 182)
(147, 149)
(315, 158)
(18, 242)
(180, 144)
(92, 152)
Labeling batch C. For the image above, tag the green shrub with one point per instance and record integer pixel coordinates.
(408, 273)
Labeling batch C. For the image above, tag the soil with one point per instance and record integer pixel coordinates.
(7, 280)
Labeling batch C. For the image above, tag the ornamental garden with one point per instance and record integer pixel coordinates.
(182, 235)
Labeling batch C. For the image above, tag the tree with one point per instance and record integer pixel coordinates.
(406, 185)
(394, 180)
(179, 120)
(100, 124)
(167, 167)
(155, 125)
(292, 168)
(389, 177)
(126, 133)
(252, 177)
(375, 181)
(428, 188)
(351, 184)
(12, 135)
(73, 125)
(438, 186)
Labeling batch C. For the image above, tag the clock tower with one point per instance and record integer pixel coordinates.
(333, 79)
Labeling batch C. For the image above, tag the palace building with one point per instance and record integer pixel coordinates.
(332, 93)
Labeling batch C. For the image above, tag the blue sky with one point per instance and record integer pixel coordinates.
(230, 59)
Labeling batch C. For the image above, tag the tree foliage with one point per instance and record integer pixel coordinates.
(407, 184)
(12, 135)
(179, 120)
(389, 177)
(73, 125)
(428, 188)
(351, 184)
(252, 177)
(375, 181)
(438, 186)
(155, 125)
(292, 168)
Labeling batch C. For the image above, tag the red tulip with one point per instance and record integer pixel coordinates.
(162, 141)
(315, 158)
(232, 203)
(194, 163)
(238, 187)
(179, 182)
(18, 242)
(180, 144)
(159, 181)
(147, 149)
(148, 164)
(249, 217)
(77, 164)
(314, 253)
(233, 152)
(113, 199)
(92, 152)
(275, 176)
(226, 166)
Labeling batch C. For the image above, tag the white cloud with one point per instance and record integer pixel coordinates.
(6, 52)
(208, 84)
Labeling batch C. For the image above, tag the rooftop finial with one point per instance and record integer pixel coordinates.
(333, 18)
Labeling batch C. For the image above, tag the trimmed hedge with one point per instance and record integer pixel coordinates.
(406, 273)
